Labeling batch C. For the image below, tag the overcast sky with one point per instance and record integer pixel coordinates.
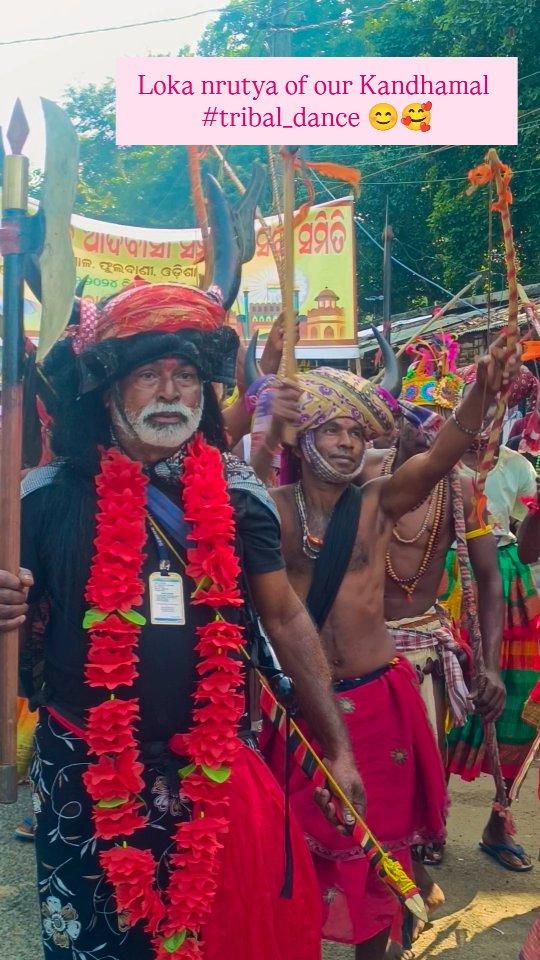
(31, 70)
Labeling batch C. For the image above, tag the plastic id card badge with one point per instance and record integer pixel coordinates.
(167, 607)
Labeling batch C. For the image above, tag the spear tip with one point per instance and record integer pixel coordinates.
(18, 129)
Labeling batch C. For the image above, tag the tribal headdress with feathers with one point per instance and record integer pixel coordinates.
(432, 379)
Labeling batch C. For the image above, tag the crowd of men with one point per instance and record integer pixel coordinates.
(348, 544)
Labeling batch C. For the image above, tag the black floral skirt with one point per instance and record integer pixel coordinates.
(78, 911)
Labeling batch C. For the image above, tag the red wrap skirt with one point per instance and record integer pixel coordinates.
(400, 764)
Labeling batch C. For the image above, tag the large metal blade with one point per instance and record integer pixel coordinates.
(57, 261)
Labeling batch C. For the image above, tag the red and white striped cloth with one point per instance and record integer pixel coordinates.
(531, 948)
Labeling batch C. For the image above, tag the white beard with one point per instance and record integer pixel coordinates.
(169, 436)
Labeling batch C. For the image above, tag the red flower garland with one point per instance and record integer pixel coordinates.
(114, 782)
(115, 585)
(212, 741)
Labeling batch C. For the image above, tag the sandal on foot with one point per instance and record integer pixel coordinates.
(25, 832)
(495, 849)
(433, 854)
(430, 854)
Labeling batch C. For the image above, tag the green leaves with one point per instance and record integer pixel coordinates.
(217, 774)
(185, 771)
(175, 941)
(111, 804)
(93, 616)
(133, 617)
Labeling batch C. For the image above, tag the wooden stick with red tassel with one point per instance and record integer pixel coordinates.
(494, 170)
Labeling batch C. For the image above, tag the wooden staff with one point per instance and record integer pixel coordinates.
(389, 870)
(14, 214)
(503, 206)
(494, 170)
(197, 194)
(289, 358)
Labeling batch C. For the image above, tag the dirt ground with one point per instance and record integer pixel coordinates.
(486, 916)
(488, 910)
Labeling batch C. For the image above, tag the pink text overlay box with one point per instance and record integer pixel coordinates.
(316, 100)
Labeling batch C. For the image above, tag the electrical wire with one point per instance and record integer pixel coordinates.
(122, 26)
(402, 163)
(397, 183)
(342, 21)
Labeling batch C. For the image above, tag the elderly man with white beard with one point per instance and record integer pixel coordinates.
(144, 534)
(146, 410)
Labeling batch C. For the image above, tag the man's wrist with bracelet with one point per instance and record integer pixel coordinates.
(461, 426)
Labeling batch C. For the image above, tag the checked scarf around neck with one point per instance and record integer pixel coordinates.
(320, 466)
(328, 394)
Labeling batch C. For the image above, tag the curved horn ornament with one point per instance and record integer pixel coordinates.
(392, 379)
(225, 281)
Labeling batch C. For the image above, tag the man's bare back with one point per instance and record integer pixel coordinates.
(354, 636)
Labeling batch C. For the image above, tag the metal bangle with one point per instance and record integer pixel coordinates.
(462, 427)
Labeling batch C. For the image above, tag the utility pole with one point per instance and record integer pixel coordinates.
(387, 237)
(281, 39)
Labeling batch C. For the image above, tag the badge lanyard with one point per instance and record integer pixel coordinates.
(166, 589)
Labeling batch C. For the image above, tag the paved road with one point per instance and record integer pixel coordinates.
(486, 917)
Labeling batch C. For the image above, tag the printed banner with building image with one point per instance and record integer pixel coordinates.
(109, 256)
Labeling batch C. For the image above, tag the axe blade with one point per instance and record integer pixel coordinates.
(57, 261)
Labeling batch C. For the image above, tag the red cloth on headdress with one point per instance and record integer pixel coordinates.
(523, 387)
(144, 307)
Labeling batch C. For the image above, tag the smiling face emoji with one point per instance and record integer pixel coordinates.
(383, 116)
(417, 116)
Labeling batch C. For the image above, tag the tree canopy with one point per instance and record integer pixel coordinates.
(440, 233)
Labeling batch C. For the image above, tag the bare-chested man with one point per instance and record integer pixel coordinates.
(415, 566)
(335, 413)
(414, 569)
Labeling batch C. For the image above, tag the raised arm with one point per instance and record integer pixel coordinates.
(237, 420)
(284, 411)
(301, 656)
(415, 478)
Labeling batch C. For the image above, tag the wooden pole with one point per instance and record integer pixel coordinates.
(289, 156)
(289, 357)
(387, 237)
(504, 199)
(15, 206)
(197, 194)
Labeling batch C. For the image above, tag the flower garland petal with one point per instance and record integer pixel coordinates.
(114, 782)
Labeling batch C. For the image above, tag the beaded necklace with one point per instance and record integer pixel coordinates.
(311, 545)
(409, 584)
